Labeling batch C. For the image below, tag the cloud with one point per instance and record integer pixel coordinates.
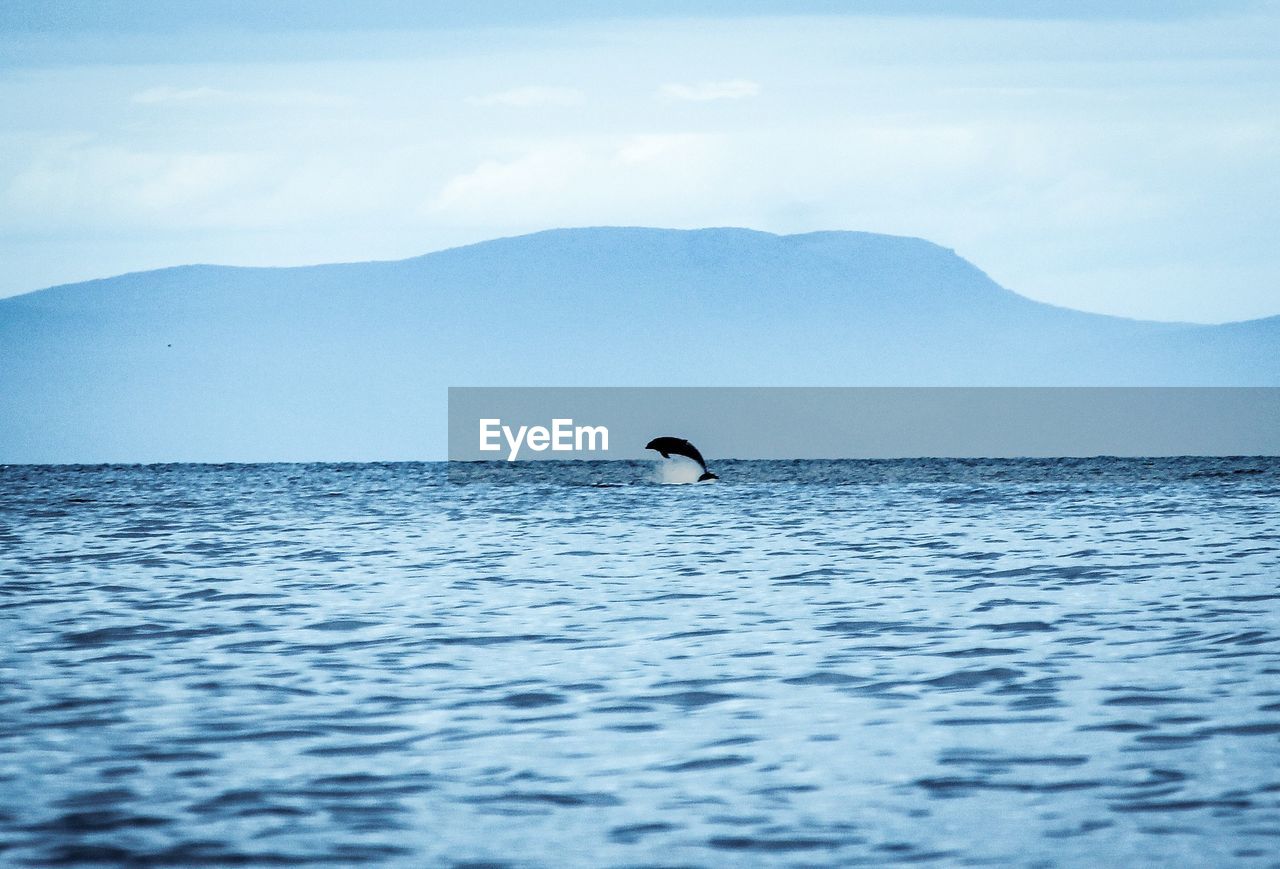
(706, 91)
(177, 95)
(99, 185)
(636, 178)
(168, 95)
(85, 186)
(531, 96)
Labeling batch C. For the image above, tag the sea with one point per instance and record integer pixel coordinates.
(1034, 663)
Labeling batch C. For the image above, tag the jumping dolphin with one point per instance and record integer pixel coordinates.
(669, 447)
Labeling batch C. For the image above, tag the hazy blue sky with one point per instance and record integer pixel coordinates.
(1118, 157)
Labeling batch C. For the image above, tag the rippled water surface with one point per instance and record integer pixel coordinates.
(967, 663)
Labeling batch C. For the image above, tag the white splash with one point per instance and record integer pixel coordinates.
(676, 471)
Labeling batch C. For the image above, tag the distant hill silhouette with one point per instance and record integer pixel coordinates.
(351, 361)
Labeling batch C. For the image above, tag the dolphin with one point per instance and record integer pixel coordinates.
(669, 447)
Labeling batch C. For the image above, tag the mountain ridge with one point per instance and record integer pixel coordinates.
(350, 360)
(488, 243)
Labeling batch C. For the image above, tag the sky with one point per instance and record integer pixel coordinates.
(1119, 157)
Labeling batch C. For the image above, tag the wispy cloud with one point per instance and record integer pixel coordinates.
(177, 95)
(625, 179)
(531, 96)
(166, 94)
(706, 91)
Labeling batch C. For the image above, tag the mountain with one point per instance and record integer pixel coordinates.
(351, 361)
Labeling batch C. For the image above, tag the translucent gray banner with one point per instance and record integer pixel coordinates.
(520, 423)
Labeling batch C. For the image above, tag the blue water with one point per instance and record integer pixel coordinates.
(1023, 663)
